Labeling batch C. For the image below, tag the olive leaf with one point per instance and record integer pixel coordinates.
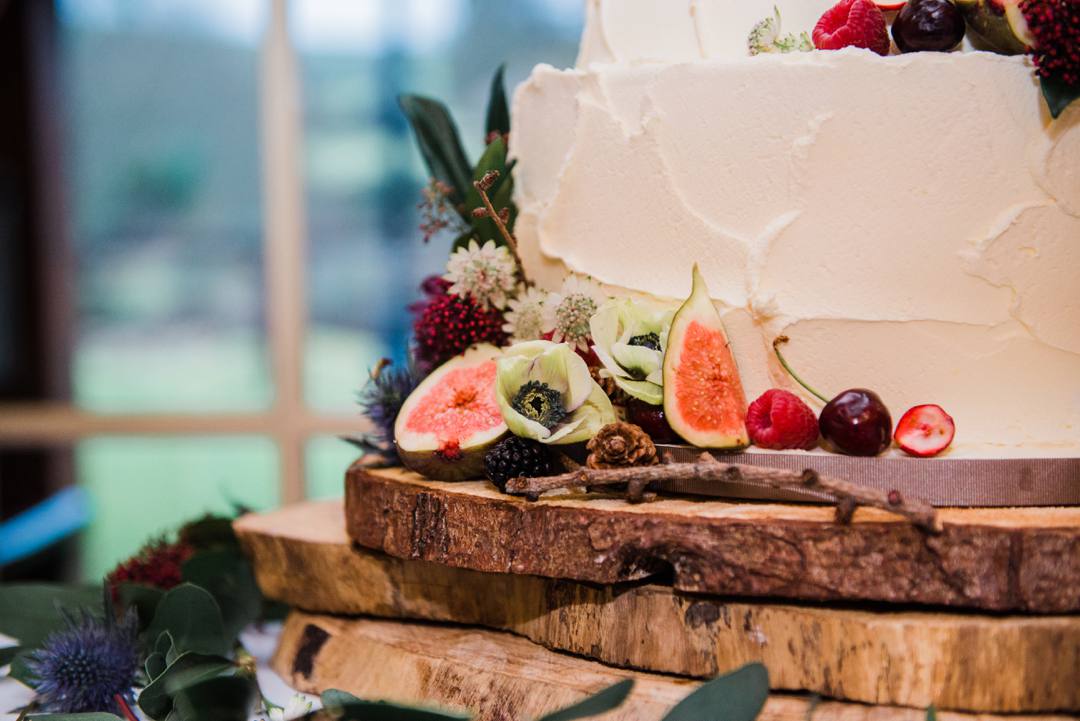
(736, 696)
(600, 702)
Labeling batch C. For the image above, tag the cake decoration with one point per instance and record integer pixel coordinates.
(517, 457)
(546, 392)
(525, 317)
(703, 394)
(924, 430)
(852, 23)
(621, 445)
(568, 311)
(629, 338)
(765, 37)
(780, 420)
(1054, 27)
(928, 25)
(381, 399)
(486, 273)
(448, 423)
(999, 25)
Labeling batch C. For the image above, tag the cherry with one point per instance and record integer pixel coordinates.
(651, 419)
(855, 422)
(928, 25)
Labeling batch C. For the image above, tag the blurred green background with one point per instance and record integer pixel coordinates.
(164, 195)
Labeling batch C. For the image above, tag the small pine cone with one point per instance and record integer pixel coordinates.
(619, 445)
(609, 386)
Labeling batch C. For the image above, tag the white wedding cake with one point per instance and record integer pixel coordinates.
(911, 222)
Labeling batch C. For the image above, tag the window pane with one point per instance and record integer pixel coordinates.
(363, 172)
(142, 487)
(164, 192)
(326, 462)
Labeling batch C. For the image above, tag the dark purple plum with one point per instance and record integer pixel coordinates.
(935, 25)
(856, 422)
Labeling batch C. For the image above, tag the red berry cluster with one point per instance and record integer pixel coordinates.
(448, 324)
(1055, 24)
(157, 564)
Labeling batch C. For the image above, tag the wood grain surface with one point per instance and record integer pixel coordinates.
(994, 559)
(978, 662)
(501, 677)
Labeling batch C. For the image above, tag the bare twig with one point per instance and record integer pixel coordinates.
(482, 186)
(707, 468)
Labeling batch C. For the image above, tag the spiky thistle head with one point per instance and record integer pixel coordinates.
(382, 397)
(84, 666)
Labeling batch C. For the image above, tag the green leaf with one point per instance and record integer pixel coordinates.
(1058, 94)
(30, 612)
(736, 696)
(343, 705)
(155, 664)
(9, 653)
(931, 713)
(225, 698)
(494, 158)
(439, 142)
(20, 670)
(191, 615)
(600, 702)
(144, 599)
(227, 575)
(73, 717)
(209, 532)
(186, 671)
(498, 112)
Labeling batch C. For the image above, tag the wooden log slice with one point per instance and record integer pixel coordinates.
(501, 677)
(302, 556)
(995, 559)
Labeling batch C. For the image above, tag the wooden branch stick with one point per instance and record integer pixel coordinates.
(511, 243)
(707, 468)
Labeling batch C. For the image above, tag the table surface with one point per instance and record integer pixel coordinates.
(260, 643)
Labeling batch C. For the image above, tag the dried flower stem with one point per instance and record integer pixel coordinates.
(482, 187)
(707, 468)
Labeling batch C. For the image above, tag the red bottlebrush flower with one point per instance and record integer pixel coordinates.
(1055, 25)
(448, 324)
(157, 564)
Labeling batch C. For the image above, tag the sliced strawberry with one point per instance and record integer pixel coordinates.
(853, 23)
(925, 430)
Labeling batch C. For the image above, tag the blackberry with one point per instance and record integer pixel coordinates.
(515, 456)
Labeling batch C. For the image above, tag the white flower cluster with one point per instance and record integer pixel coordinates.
(486, 273)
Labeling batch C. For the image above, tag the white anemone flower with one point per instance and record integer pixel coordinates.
(629, 338)
(545, 392)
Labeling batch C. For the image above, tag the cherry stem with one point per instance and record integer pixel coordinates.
(780, 340)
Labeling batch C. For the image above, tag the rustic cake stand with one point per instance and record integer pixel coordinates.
(419, 591)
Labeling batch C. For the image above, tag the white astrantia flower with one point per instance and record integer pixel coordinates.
(629, 338)
(545, 392)
(486, 273)
(567, 311)
(525, 317)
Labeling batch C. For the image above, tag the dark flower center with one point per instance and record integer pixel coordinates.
(541, 403)
(648, 340)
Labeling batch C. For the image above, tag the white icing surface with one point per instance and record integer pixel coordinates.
(911, 222)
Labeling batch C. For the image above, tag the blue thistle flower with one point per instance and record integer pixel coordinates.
(383, 395)
(83, 667)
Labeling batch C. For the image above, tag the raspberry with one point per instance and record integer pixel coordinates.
(780, 420)
(852, 23)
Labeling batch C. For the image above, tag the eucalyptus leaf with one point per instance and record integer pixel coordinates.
(736, 696)
(186, 671)
(601, 702)
(346, 707)
(439, 142)
(8, 653)
(1058, 94)
(155, 664)
(97, 716)
(498, 111)
(227, 575)
(144, 599)
(224, 698)
(191, 615)
(30, 612)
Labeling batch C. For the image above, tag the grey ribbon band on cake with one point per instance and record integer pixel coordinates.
(940, 481)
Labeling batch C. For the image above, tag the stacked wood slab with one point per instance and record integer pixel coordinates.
(980, 619)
